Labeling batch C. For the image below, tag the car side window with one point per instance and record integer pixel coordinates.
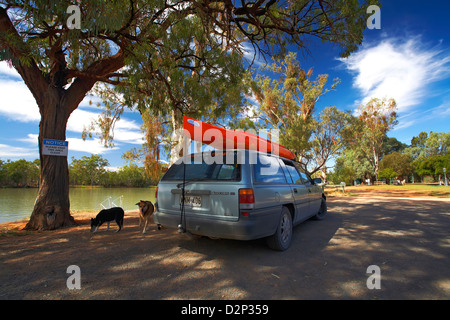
(293, 173)
(268, 170)
(305, 178)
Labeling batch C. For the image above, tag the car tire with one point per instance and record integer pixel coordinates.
(281, 239)
(322, 211)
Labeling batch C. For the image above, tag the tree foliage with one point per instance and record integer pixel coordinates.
(288, 103)
(20, 173)
(429, 144)
(400, 163)
(377, 117)
(87, 170)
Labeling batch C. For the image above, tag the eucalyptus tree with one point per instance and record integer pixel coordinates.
(288, 103)
(376, 118)
(158, 52)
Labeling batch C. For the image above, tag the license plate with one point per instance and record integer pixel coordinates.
(193, 201)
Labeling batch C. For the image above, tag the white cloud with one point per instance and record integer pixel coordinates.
(7, 151)
(6, 70)
(75, 144)
(31, 139)
(441, 111)
(17, 103)
(397, 69)
(127, 131)
(89, 146)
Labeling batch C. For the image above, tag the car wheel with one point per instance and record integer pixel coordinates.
(322, 211)
(281, 240)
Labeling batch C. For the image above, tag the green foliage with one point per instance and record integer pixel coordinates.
(376, 118)
(387, 174)
(128, 176)
(433, 165)
(20, 173)
(426, 145)
(391, 144)
(288, 103)
(93, 171)
(350, 166)
(87, 170)
(400, 163)
(90, 171)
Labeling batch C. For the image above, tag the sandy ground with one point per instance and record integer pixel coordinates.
(408, 239)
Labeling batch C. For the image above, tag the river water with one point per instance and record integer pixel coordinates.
(17, 203)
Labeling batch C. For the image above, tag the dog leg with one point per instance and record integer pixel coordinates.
(145, 226)
(120, 225)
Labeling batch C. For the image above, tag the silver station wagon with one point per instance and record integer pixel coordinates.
(238, 194)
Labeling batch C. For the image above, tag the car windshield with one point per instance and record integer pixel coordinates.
(209, 167)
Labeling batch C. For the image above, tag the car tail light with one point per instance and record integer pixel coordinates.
(246, 198)
(156, 194)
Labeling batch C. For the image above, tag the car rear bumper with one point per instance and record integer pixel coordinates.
(259, 224)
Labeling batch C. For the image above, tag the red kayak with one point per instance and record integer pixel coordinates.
(221, 138)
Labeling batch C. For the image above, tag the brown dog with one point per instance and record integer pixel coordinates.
(146, 209)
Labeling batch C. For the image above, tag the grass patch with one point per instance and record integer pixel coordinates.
(428, 190)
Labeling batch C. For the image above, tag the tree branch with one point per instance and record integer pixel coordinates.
(11, 41)
(97, 71)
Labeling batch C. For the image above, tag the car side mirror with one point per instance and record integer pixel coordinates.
(317, 181)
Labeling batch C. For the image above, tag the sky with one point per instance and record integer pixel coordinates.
(407, 59)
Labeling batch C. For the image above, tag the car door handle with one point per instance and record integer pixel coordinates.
(295, 190)
(309, 190)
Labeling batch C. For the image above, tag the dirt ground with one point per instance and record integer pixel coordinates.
(407, 238)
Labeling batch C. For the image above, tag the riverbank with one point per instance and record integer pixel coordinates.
(81, 218)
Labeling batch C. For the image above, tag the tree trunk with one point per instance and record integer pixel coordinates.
(52, 206)
(179, 143)
(375, 163)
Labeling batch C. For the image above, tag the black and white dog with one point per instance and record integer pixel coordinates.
(108, 215)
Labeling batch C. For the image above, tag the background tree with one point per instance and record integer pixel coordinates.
(351, 165)
(331, 133)
(391, 144)
(377, 117)
(388, 174)
(432, 144)
(288, 104)
(433, 166)
(400, 163)
(88, 170)
(19, 173)
(60, 65)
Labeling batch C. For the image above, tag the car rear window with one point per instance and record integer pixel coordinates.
(200, 170)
